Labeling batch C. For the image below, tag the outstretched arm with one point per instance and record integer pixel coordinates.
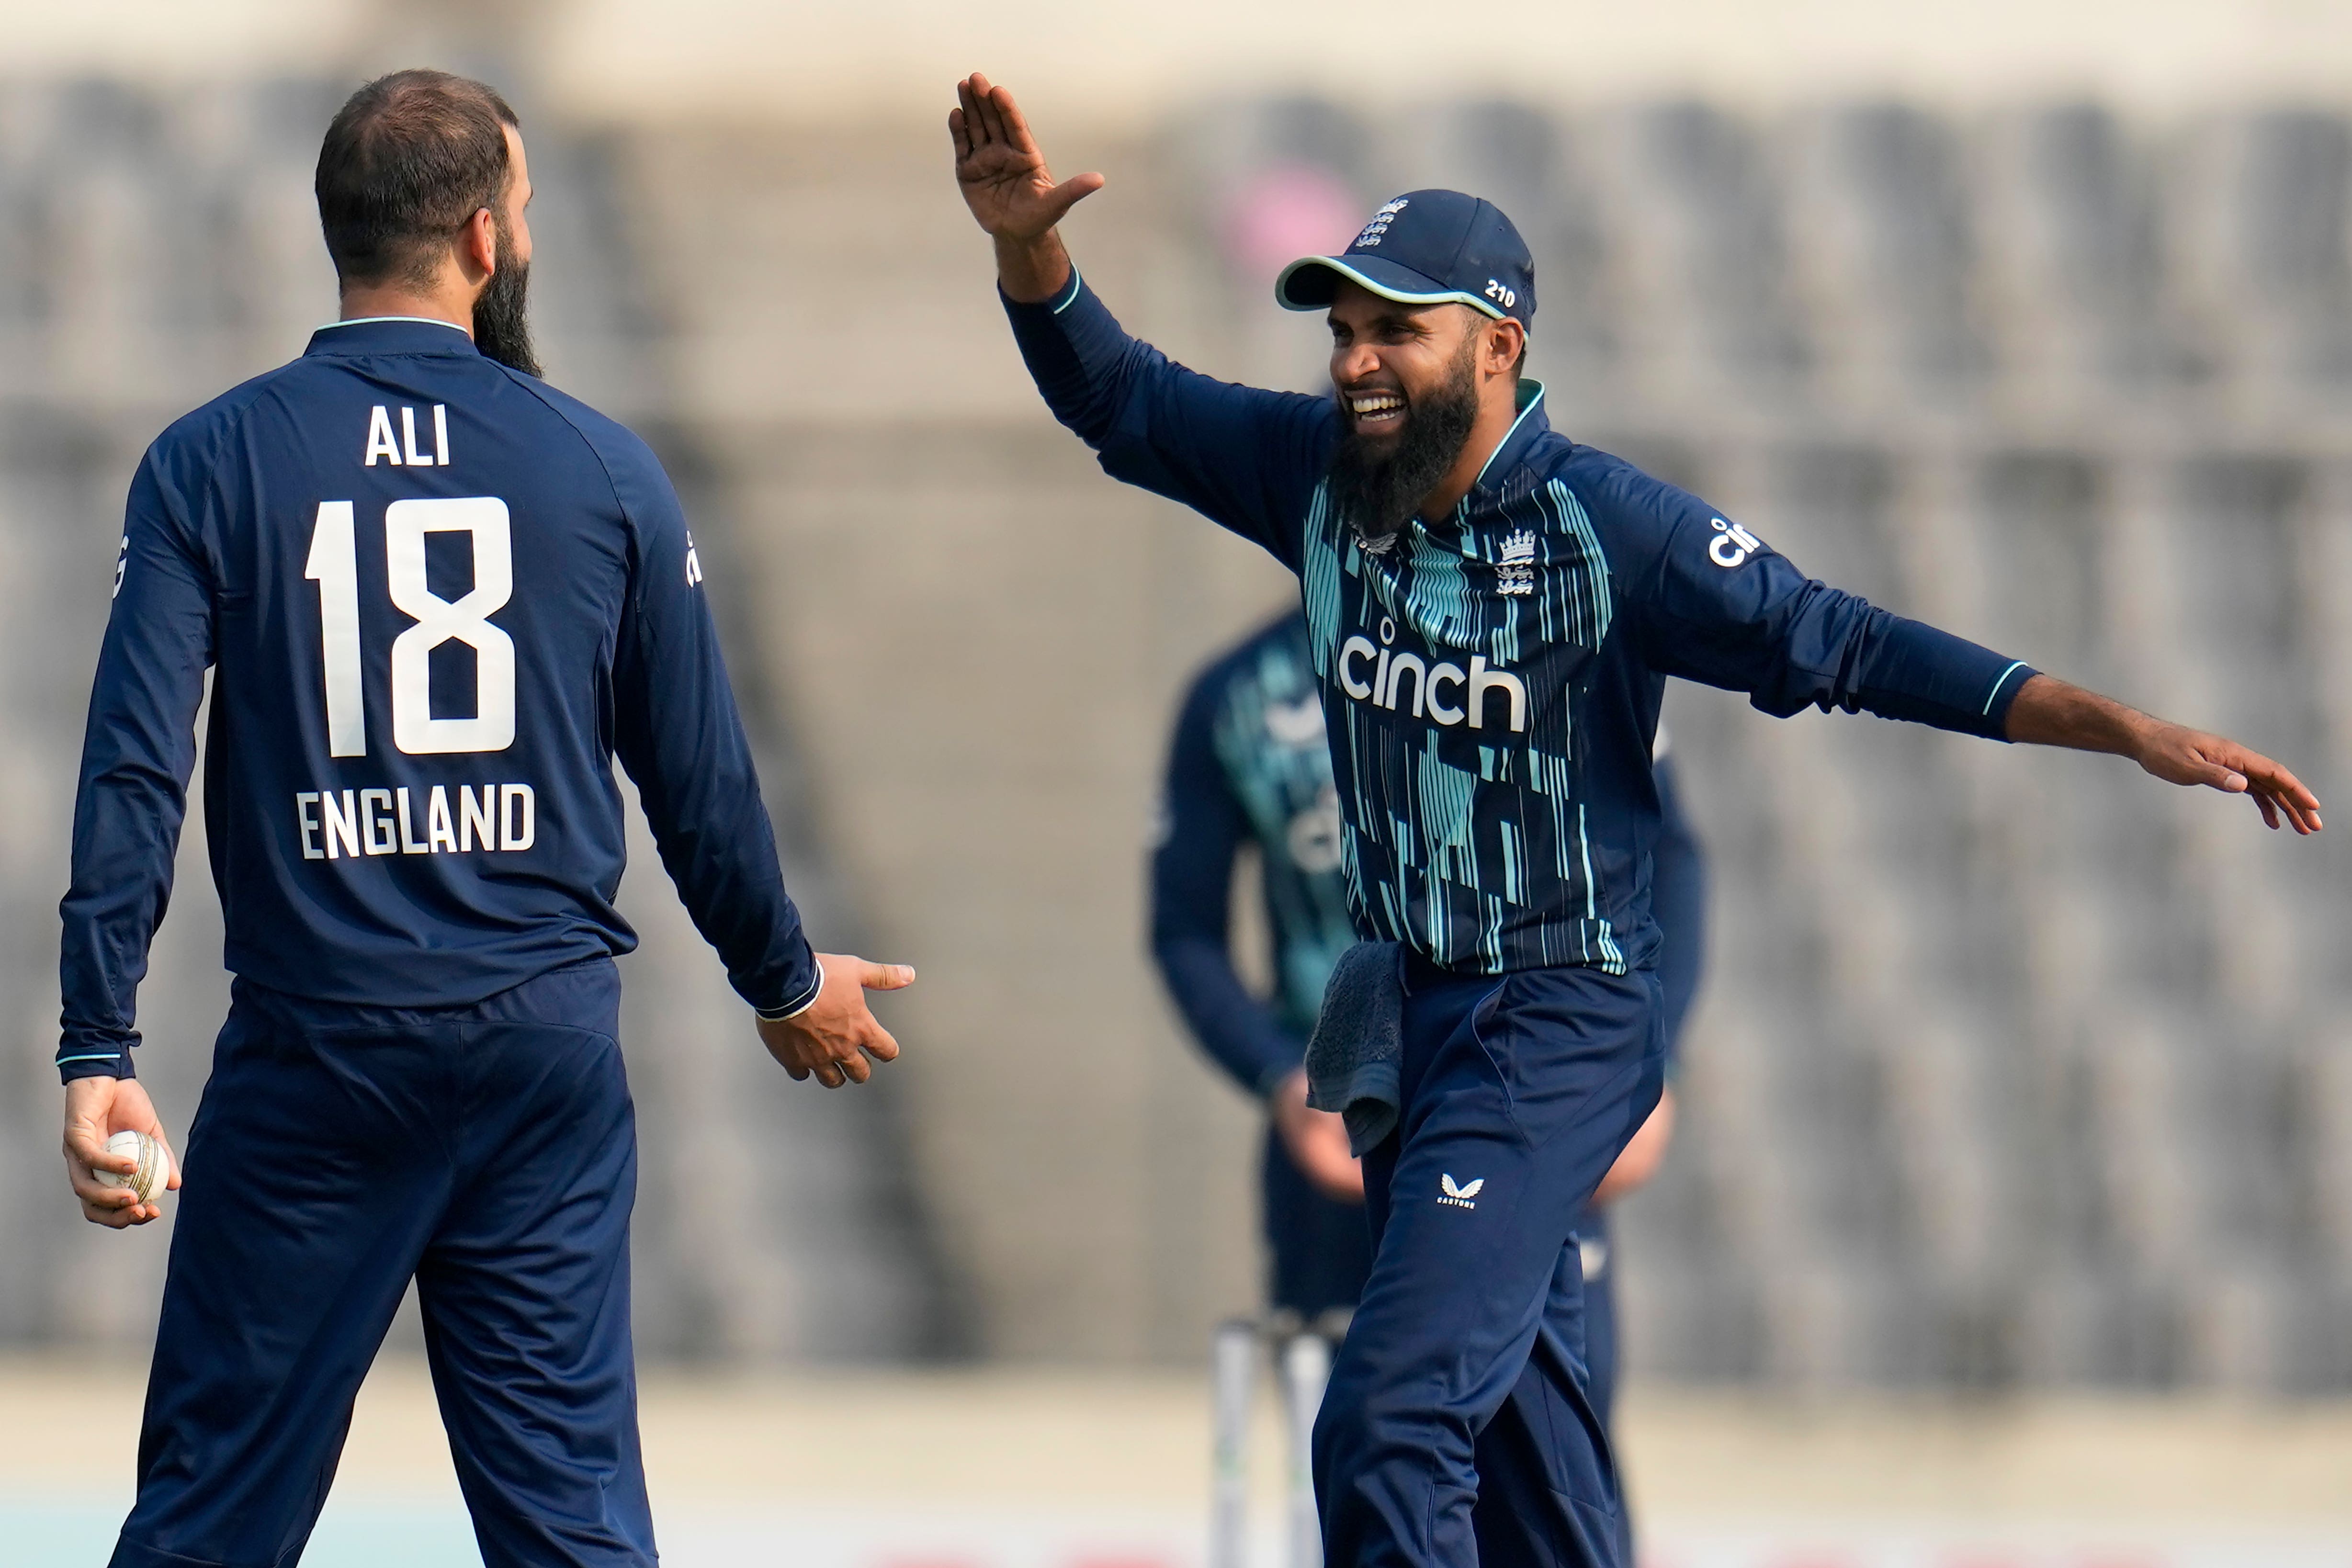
(2049, 712)
(1010, 190)
(1717, 604)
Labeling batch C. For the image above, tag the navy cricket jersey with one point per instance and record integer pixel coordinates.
(1248, 765)
(438, 598)
(1492, 678)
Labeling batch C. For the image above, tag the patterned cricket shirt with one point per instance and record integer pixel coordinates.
(1491, 678)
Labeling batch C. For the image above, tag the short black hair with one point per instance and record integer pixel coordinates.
(407, 160)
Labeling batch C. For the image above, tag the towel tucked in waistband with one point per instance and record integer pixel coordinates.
(1355, 1059)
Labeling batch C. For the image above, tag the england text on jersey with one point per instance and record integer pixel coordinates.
(438, 600)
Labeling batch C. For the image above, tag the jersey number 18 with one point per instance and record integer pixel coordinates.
(334, 566)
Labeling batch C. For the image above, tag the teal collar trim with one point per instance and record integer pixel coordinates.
(370, 321)
(1530, 399)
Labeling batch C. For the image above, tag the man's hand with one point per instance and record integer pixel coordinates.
(1318, 1142)
(1010, 190)
(2049, 712)
(838, 1032)
(2182, 756)
(97, 1109)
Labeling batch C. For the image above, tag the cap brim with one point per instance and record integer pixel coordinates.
(1312, 281)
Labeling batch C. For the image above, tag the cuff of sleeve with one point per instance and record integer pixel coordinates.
(2004, 694)
(799, 1005)
(1060, 302)
(1926, 675)
(96, 1065)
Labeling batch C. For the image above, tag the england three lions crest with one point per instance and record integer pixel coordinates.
(1514, 570)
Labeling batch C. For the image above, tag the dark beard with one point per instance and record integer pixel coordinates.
(1378, 495)
(501, 324)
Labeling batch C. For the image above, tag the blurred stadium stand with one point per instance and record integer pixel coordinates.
(2014, 1068)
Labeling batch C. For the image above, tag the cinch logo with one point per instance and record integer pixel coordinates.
(1385, 689)
(1454, 1197)
(1732, 544)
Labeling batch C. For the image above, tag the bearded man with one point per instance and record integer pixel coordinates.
(1492, 612)
(438, 598)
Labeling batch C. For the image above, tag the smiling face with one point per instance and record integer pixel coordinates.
(1389, 358)
(1413, 383)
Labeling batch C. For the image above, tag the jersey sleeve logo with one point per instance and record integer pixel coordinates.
(693, 563)
(1732, 545)
(122, 565)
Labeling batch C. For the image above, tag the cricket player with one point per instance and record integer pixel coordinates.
(438, 599)
(1248, 767)
(1493, 609)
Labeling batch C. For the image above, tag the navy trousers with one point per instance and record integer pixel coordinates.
(1459, 1428)
(1321, 1248)
(487, 1151)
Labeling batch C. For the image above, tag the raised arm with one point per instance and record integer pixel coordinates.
(1011, 192)
(1245, 458)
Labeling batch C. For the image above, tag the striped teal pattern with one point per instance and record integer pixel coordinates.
(1450, 663)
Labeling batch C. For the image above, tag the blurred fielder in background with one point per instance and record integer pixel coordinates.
(1248, 767)
(437, 598)
(1492, 611)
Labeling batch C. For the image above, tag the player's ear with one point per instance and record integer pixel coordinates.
(1505, 340)
(477, 245)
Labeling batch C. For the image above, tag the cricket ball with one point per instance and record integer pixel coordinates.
(154, 1165)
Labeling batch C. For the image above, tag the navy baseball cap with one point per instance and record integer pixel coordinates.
(1427, 248)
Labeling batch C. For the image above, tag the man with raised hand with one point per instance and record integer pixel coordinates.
(438, 598)
(1492, 609)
